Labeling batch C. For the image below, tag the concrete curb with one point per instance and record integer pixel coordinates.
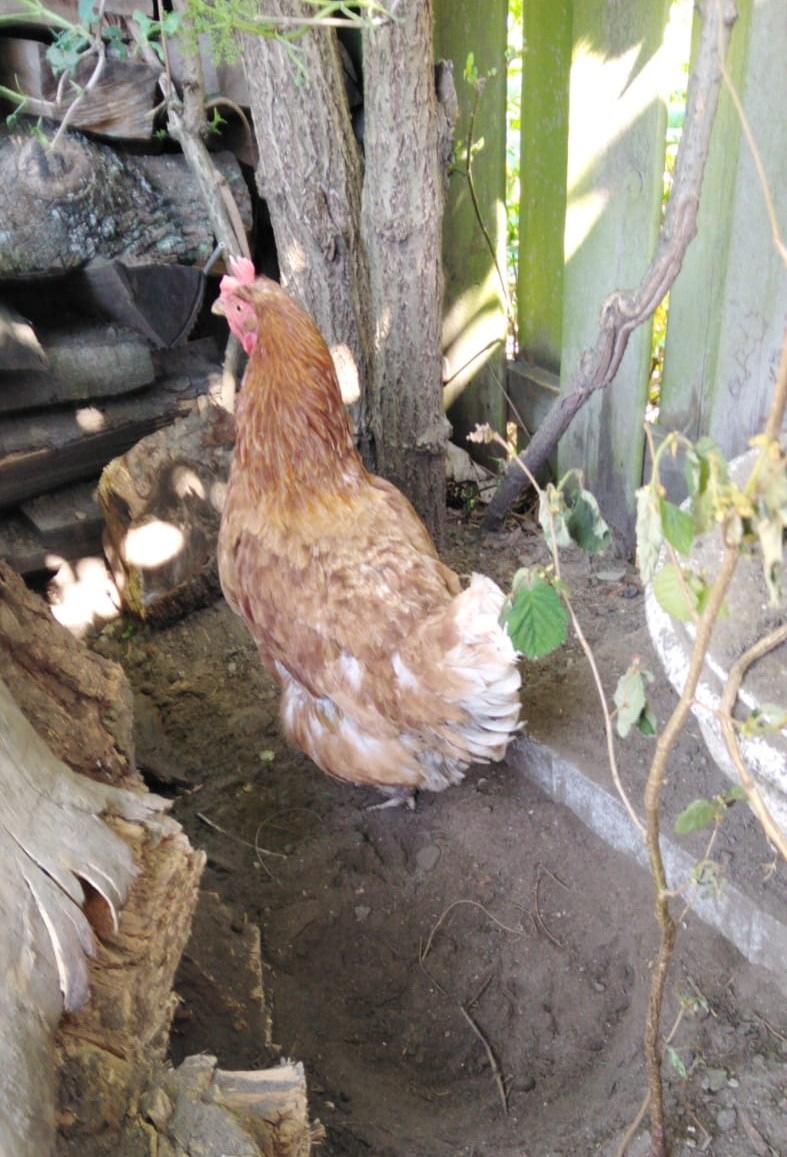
(760, 937)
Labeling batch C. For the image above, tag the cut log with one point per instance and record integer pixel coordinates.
(52, 450)
(62, 208)
(116, 1095)
(162, 504)
(120, 104)
(51, 839)
(85, 362)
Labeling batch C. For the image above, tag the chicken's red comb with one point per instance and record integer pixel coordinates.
(242, 272)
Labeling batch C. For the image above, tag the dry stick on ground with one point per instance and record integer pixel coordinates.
(623, 312)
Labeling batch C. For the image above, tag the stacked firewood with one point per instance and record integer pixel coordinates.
(102, 252)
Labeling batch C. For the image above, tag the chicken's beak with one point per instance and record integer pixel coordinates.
(218, 307)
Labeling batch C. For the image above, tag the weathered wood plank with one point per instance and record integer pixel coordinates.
(119, 105)
(84, 362)
(543, 158)
(52, 450)
(728, 305)
(615, 176)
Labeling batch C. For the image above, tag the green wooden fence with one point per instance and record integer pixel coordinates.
(594, 97)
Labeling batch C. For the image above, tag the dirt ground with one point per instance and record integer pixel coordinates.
(465, 980)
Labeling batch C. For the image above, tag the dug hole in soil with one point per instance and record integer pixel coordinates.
(468, 979)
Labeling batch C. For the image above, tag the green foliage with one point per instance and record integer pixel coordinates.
(534, 614)
(765, 720)
(751, 515)
(633, 709)
(154, 31)
(569, 513)
(680, 592)
(222, 20)
(702, 812)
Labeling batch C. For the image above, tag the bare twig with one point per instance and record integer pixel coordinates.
(493, 1062)
(473, 904)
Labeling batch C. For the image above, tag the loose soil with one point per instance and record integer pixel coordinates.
(465, 980)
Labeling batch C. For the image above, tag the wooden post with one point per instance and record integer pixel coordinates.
(728, 304)
(544, 153)
(475, 323)
(615, 177)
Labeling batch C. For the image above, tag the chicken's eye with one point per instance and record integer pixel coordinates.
(238, 307)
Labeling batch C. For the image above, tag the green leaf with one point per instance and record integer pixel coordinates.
(631, 702)
(696, 816)
(586, 525)
(681, 600)
(650, 536)
(676, 1062)
(86, 12)
(534, 615)
(678, 526)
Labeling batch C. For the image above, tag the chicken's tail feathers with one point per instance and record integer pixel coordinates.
(485, 665)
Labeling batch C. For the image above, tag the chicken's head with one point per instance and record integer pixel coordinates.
(234, 302)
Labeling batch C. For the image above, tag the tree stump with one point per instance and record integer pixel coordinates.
(74, 850)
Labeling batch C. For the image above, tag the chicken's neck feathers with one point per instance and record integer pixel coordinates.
(294, 440)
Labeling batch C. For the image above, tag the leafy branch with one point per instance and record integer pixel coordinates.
(754, 514)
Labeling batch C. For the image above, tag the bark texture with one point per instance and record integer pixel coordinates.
(402, 220)
(369, 274)
(309, 174)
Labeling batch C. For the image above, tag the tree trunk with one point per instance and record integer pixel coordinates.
(309, 175)
(372, 278)
(402, 222)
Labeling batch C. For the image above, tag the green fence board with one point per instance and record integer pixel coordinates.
(542, 208)
(728, 305)
(617, 123)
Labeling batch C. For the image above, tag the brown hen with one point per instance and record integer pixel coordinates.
(391, 674)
